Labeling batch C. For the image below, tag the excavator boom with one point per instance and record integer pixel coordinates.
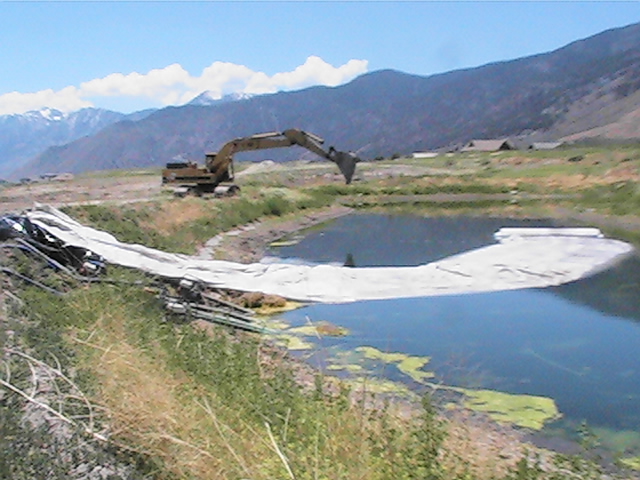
(219, 166)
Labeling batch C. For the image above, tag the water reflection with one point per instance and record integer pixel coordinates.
(614, 291)
(350, 261)
(576, 343)
(398, 240)
(529, 342)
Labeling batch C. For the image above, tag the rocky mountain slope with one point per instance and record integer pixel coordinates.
(25, 136)
(590, 88)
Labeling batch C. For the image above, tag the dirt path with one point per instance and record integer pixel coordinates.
(82, 191)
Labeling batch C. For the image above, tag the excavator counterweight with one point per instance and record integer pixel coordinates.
(218, 168)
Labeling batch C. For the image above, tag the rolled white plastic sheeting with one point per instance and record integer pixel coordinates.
(514, 233)
(523, 258)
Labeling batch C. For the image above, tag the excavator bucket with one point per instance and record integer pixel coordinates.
(346, 162)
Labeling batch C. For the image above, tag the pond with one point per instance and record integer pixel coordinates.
(577, 344)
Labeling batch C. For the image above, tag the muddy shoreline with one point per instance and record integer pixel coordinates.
(249, 243)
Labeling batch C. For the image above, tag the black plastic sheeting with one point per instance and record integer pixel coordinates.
(18, 227)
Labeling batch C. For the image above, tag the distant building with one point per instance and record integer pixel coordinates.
(57, 177)
(544, 145)
(488, 146)
(424, 154)
(63, 177)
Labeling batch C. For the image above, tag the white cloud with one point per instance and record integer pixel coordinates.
(65, 100)
(222, 77)
(173, 85)
(316, 71)
(158, 84)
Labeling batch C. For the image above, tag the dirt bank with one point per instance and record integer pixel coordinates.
(249, 243)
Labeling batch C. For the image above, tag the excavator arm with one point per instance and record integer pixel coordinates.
(221, 163)
(219, 166)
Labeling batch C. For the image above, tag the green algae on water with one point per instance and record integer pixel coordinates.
(273, 324)
(320, 329)
(284, 243)
(412, 366)
(293, 342)
(381, 386)
(527, 411)
(631, 462)
(374, 354)
(353, 368)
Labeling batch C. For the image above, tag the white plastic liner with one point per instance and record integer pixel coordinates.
(523, 258)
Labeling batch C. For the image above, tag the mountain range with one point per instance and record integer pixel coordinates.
(23, 137)
(587, 89)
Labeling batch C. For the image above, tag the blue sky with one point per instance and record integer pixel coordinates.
(128, 56)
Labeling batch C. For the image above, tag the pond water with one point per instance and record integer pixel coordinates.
(578, 343)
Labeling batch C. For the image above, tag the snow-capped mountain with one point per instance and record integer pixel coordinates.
(207, 98)
(23, 136)
(47, 117)
(46, 113)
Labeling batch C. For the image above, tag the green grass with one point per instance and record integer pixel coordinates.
(137, 224)
(622, 198)
(122, 173)
(190, 389)
(198, 403)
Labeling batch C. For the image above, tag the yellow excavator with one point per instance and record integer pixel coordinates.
(188, 177)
